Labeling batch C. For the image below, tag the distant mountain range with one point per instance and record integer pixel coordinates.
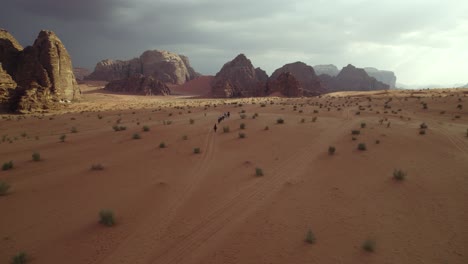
(430, 86)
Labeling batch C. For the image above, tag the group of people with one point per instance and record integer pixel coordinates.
(221, 118)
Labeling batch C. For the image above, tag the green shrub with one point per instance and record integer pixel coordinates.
(423, 126)
(4, 187)
(310, 237)
(196, 151)
(422, 132)
(258, 172)
(36, 156)
(74, 130)
(7, 165)
(369, 245)
(241, 135)
(331, 150)
(136, 136)
(280, 121)
(363, 125)
(20, 258)
(146, 128)
(362, 146)
(162, 145)
(355, 132)
(97, 167)
(226, 129)
(303, 120)
(62, 138)
(106, 217)
(192, 121)
(119, 128)
(399, 175)
(242, 126)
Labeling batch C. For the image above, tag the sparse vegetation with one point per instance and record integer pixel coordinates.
(185, 137)
(20, 258)
(119, 128)
(162, 145)
(423, 126)
(243, 116)
(7, 165)
(268, 128)
(242, 126)
(422, 132)
(196, 151)
(258, 172)
(399, 175)
(106, 217)
(36, 156)
(363, 125)
(314, 119)
(192, 121)
(226, 129)
(331, 150)
(4, 187)
(146, 128)
(362, 146)
(62, 138)
(310, 237)
(369, 245)
(241, 135)
(74, 130)
(303, 120)
(355, 132)
(280, 121)
(97, 167)
(136, 136)
(377, 142)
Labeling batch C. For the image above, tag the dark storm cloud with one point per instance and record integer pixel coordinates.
(414, 38)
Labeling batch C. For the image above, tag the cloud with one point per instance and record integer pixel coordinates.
(412, 38)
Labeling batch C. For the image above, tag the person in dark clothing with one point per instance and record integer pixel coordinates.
(215, 128)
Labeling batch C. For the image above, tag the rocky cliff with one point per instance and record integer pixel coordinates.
(328, 69)
(7, 87)
(351, 78)
(306, 76)
(285, 84)
(387, 77)
(239, 78)
(81, 73)
(162, 65)
(138, 84)
(43, 72)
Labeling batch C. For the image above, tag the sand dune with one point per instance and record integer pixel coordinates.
(174, 206)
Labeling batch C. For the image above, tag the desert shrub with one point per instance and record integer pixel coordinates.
(316, 111)
(243, 116)
(136, 136)
(422, 132)
(36, 156)
(363, 125)
(303, 120)
(185, 137)
(192, 121)
(369, 245)
(99, 116)
(97, 167)
(74, 130)
(280, 121)
(62, 138)
(377, 141)
(146, 128)
(362, 146)
(399, 175)
(162, 145)
(119, 128)
(310, 237)
(4, 187)
(355, 132)
(242, 126)
(262, 105)
(353, 138)
(358, 113)
(106, 217)
(7, 165)
(196, 151)
(20, 258)
(226, 129)
(331, 150)
(258, 172)
(423, 126)
(268, 128)
(241, 135)
(314, 119)
(460, 106)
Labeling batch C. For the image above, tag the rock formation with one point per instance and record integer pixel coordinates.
(43, 72)
(351, 78)
(328, 69)
(163, 65)
(138, 84)
(7, 87)
(285, 84)
(306, 76)
(81, 73)
(387, 77)
(239, 78)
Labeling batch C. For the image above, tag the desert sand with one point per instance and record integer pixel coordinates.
(174, 206)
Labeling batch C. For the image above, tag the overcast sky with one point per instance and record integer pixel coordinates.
(422, 41)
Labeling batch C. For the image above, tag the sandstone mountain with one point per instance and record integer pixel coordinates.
(239, 78)
(387, 77)
(138, 84)
(7, 87)
(165, 66)
(43, 72)
(306, 76)
(285, 84)
(81, 73)
(351, 78)
(328, 69)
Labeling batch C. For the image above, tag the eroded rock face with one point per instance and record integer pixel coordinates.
(165, 66)
(239, 78)
(43, 72)
(306, 76)
(387, 77)
(139, 84)
(81, 73)
(285, 84)
(7, 86)
(351, 78)
(328, 69)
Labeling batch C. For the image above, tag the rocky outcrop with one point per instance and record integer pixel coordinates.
(387, 77)
(328, 69)
(162, 65)
(306, 76)
(285, 84)
(10, 49)
(351, 78)
(81, 73)
(239, 78)
(138, 84)
(7, 87)
(43, 73)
